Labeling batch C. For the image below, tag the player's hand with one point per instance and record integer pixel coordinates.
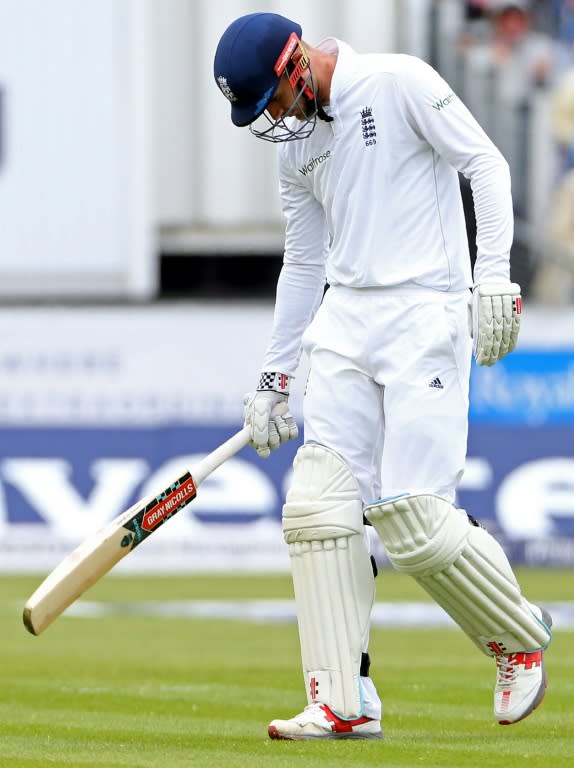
(266, 411)
(496, 311)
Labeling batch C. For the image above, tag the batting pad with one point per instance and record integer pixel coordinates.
(462, 567)
(332, 576)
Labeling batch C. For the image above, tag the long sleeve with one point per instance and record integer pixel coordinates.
(449, 127)
(299, 293)
(302, 280)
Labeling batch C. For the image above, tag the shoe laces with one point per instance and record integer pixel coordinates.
(506, 669)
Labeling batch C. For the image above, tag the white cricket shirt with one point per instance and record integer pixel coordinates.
(372, 199)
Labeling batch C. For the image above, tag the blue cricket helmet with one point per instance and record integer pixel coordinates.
(245, 59)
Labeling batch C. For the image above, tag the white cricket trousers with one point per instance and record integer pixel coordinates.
(388, 386)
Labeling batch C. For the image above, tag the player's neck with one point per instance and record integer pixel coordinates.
(323, 65)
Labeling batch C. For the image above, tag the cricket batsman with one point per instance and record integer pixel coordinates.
(369, 148)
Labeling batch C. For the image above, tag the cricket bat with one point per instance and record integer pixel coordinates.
(101, 551)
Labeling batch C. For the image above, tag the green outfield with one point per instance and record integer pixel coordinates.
(124, 690)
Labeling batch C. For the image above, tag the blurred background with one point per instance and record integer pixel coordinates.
(141, 238)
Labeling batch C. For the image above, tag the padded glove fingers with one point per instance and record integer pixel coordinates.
(496, 311)
(267, 413)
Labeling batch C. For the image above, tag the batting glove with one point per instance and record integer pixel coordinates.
(266, 411)
(496, 311)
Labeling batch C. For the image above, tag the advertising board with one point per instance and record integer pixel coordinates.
(102, 406)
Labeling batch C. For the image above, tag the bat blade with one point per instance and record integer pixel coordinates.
(73, 576)
(100, 552)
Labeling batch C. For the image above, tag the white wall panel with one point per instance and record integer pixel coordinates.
(373, 29)
(237, 173)
(174, 80)
(75, 175)
(414, 36)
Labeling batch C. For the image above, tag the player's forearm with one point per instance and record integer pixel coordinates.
(299, 292)
(490, 184)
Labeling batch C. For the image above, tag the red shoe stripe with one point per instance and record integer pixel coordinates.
(343, 726)
(528, 660)
(505, 703)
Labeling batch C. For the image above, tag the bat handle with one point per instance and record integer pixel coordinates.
(217, 457)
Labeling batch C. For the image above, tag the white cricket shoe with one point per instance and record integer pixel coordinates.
(317, 721)
(521, 682)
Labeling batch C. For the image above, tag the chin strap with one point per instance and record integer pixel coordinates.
(322, 115)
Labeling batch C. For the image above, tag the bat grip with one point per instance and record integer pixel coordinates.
(217, 457)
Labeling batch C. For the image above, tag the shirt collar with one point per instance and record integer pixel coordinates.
(342, 51)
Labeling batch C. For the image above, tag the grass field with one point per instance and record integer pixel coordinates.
(123, 690)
